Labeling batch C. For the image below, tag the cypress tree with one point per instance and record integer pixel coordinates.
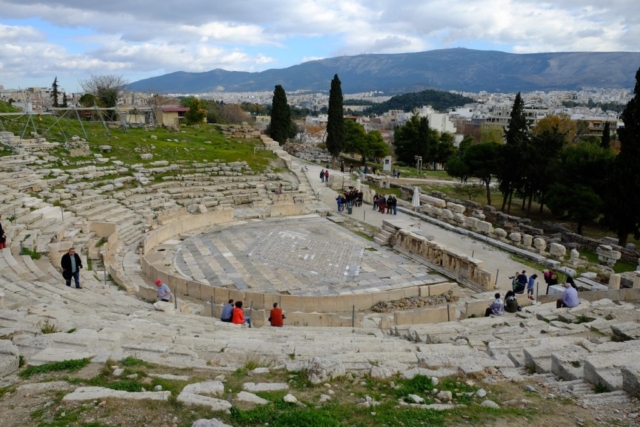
(65, 102)
(517, 137)
(54, 92)
(335, 124)
(605, 141)
(623, 207)
(280, 126)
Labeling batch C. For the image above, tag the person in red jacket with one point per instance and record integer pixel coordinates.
(237, 317)
(276, 317)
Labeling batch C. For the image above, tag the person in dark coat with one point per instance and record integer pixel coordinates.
(3, 237)
(71, 265)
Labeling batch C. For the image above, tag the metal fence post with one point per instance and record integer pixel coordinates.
(448, 313)
(175, 298)
(497, 274)
(353, 316)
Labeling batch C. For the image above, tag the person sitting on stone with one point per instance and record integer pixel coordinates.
(511, 303)
(227, 312)
(276, 317)
(496, 308)
(569, 297)
(164, 293)
(238, 318)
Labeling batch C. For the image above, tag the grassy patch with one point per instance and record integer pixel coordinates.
(48, 327)
(67, 365)
(620, 267)
(132, 361)
(187, 144)
(32, 254)
(601, 388)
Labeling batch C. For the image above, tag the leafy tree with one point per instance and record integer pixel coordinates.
(355, 139)
(541, 167)
(65, 102)
(280, 116)
(578, 202)
(445, 148)
(335, 124)
(88, 100)
(55, 94)
(491, 134)
(578, 192)
(516, 138)
(106, 89)
(231, 113)
(582, 130)
(464, 144)
(378, 148)
(623, 207)
(457, 168)
(561, 122)
(410, 141)
(605, 141)
(196, 113)
(482, 161)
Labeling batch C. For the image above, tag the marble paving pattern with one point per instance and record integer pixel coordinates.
(306, 256)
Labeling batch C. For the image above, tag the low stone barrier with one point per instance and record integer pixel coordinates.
(428, 315)
(460, 265)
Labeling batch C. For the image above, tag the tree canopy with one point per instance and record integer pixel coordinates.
(623, 191)
(407, 102)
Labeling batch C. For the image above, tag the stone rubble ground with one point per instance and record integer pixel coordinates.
(566, 351)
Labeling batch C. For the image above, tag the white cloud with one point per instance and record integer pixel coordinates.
(149, 37)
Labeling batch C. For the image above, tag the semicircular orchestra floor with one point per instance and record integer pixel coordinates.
(302, 256)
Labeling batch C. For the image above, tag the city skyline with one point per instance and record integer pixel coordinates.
(72, 40)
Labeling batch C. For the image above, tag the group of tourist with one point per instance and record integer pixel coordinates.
(324, 176)
(232, 313)
(520, 282)
(349, 198)
(387, 204)
(568, 299)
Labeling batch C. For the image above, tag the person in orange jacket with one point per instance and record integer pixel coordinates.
(237, 317)
(276, 317)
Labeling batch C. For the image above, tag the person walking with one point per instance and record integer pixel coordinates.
(3, 236)
(164, 293)
(238, 318)
(326, 177)
(276, 317)
(71, 265)
(530, 285)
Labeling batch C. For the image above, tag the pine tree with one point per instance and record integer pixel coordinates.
(335, 124)
(54, 92)
(605, 141)
(65, 102)
(280, 127)
(623, 207)
(516, 136)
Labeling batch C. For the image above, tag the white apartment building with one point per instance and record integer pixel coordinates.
(440, 122)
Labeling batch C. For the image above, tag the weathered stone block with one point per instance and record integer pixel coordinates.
(557, 250)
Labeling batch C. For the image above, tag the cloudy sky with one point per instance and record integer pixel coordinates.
(72, 39)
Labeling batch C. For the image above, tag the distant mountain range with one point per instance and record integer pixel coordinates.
(446, 69)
